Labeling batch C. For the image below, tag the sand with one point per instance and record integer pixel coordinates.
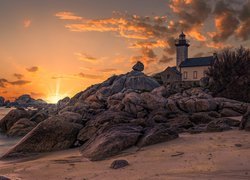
(223, 155)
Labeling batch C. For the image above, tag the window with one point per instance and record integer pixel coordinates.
(195, 74)
(185, 75)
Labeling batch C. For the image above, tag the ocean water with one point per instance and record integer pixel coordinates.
(6, 142)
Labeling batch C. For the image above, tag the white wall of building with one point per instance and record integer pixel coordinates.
(189, 71)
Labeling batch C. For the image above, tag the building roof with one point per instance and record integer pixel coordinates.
(174, 68)
(199, 61)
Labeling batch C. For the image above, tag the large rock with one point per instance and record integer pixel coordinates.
(138, 66)
(111, 140)
(152, 101)
(245, 122)
(39, 117)
(221, 124)
(12, 117)
(227, 112)
(201, 118)
(49, 135)
(157, 134)
(180, 123)
(140, 82)
(21, 127)
(192, 105)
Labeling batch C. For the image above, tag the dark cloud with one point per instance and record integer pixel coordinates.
(191, 13)
(90, 76)
(165, 59)
(32, 69)
(18, 76)
(226, 21)
(3, 83)
(170, 48)
(19, 82)
(244, 28)
(147, 56)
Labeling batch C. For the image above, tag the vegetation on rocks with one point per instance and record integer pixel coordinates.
(230, 74)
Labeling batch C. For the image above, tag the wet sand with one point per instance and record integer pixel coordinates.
(222, 155)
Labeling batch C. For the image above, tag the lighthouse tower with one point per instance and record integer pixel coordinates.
(181, 49)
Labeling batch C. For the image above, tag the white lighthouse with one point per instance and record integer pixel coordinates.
(181, 49)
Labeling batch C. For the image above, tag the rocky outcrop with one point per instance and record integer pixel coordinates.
(49, 135)
(125, 110)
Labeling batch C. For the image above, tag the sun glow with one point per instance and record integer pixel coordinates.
(55, 95)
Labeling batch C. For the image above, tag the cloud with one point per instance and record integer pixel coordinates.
(18, 76)
(147, 56)
(125, 25)
(192, 14)
(32, 69)
(165, 59)
(3, 83)
(244, 28)
(149, 44)
(200, 54)
(85, 57)
(90, 76)
(66, 15)
(27, 23)
(226, 21)
(19, 82)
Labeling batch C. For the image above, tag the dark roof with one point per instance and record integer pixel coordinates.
(174, 68)
(199, 61)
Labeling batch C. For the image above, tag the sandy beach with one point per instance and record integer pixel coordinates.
(199, 156)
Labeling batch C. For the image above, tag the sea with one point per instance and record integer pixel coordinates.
(6, 142)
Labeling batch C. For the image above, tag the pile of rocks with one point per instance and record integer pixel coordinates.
(126, 110)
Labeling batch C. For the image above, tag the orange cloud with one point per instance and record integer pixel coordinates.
(85, 57)
(32, 69)
(18, 76)
(90, 76)
(66, 15)
(194, 33)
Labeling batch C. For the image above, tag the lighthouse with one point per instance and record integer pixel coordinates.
(182, 45)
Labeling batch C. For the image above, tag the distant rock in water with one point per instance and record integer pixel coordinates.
(25, 101)
(2, 100)
(139, 66)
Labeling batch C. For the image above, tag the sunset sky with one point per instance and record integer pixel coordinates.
(55, 48)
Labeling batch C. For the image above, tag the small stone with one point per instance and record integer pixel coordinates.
(138, 66)
(119, 164)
